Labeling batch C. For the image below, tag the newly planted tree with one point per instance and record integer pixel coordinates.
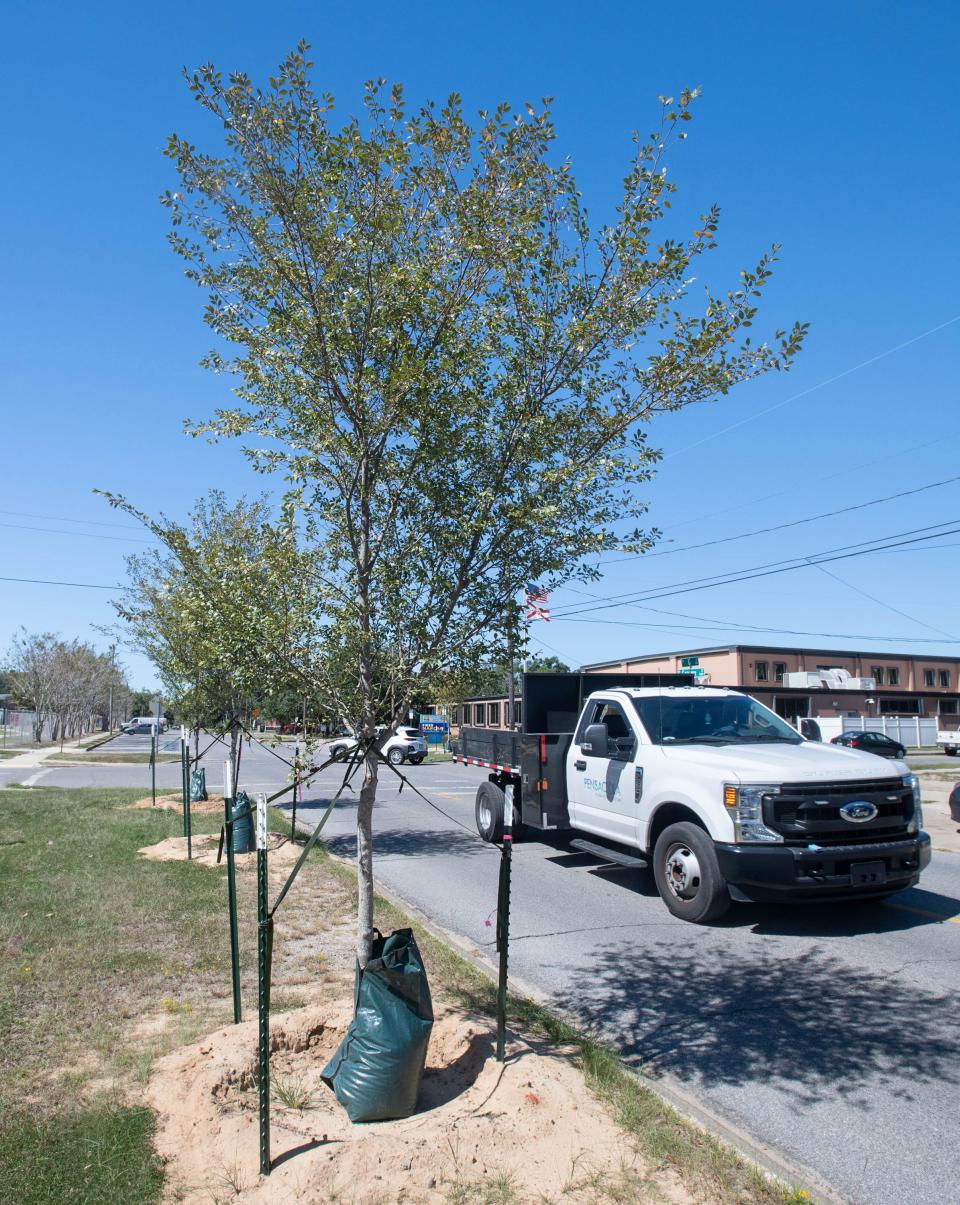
(223, 608)
(449, 366)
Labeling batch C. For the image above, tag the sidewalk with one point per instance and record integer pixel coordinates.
(36, 757)
(937, 821)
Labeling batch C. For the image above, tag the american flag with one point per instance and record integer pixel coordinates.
(538, 603)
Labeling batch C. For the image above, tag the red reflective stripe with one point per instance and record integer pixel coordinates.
(543, 749)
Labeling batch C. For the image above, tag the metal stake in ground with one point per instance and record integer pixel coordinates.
(503, 920)
(263, 985)
(296, 789)
(153, 762)
(231, 885)
(185, 785)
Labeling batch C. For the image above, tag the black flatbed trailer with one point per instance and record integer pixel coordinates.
(533, 759)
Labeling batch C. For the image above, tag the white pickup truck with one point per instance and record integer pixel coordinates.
(723, 798)
(950, 742)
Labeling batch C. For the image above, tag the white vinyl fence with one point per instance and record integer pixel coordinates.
(907, 729)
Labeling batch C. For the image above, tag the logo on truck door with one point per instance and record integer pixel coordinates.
(858, 813)
(609, 790)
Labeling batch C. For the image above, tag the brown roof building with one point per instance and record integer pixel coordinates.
(817, 682)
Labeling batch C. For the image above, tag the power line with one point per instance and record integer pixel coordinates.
(761, 531)
(813, 388)
(879, 601)
(722, 626)
(773, 567)
(90, 535)
(23, 514)
(37, 581)
(941, 439)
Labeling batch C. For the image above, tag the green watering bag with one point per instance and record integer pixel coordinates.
(198, 786)
(377, 1069)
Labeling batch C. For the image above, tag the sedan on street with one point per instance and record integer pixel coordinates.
(871, 742)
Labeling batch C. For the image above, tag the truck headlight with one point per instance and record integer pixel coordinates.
(913, 782)
(745, 805)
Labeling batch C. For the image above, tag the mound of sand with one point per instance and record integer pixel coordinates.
(283, 852)
(529, 1123)
(174, 803)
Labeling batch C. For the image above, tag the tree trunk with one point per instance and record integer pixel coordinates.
(368, 795)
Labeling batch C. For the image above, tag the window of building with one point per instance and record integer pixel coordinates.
(948, 707)
(928, 679)
(945, 678)
(876, 671)
(761, 668)
(493, 715)
(779, 669)
(893, 676)
(905, 706)
(466, 711)
(479, 711)
(518, 714)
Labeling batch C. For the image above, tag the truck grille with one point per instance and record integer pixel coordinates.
(809, 813)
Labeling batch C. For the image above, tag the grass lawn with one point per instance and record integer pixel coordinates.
(93, 937)
(110, 960)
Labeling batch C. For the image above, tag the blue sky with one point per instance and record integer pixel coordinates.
(832, 129)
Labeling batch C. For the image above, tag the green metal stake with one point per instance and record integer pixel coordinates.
(503, 921)
(296, 790)
(263, 986)
(153, 763)
(231, 885)
(185, 783)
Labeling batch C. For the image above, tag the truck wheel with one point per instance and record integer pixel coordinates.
(489, 811)
(950, 750)
(687, 874)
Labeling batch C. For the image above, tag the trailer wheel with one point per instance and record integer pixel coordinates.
(489, 811)
(687, 874)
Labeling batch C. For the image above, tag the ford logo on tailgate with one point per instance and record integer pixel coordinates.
(858, 813)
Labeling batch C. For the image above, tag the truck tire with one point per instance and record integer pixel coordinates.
(687, 874)
(950, 750)
(489, 811)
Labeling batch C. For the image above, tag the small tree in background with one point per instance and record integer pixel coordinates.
(223, 608)
(449, 366)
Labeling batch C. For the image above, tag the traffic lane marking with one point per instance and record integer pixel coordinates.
(954, 920)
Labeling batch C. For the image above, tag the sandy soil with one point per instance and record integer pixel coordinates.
(526, 1131)
(204, 845)
(529, 1124)
(174, 803)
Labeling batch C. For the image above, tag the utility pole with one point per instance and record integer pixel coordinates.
(113, 670)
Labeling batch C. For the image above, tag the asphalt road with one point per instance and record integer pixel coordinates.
(829, 1034)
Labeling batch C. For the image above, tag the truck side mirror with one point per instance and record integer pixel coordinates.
(595, 740)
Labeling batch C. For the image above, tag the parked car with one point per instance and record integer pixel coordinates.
(139, 727)
(955, 803)
(406, 744)
(871, 742)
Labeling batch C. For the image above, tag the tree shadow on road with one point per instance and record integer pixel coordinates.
(809, 1023)
(413, 843)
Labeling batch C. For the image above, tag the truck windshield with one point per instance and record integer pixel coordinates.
(711, 720)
